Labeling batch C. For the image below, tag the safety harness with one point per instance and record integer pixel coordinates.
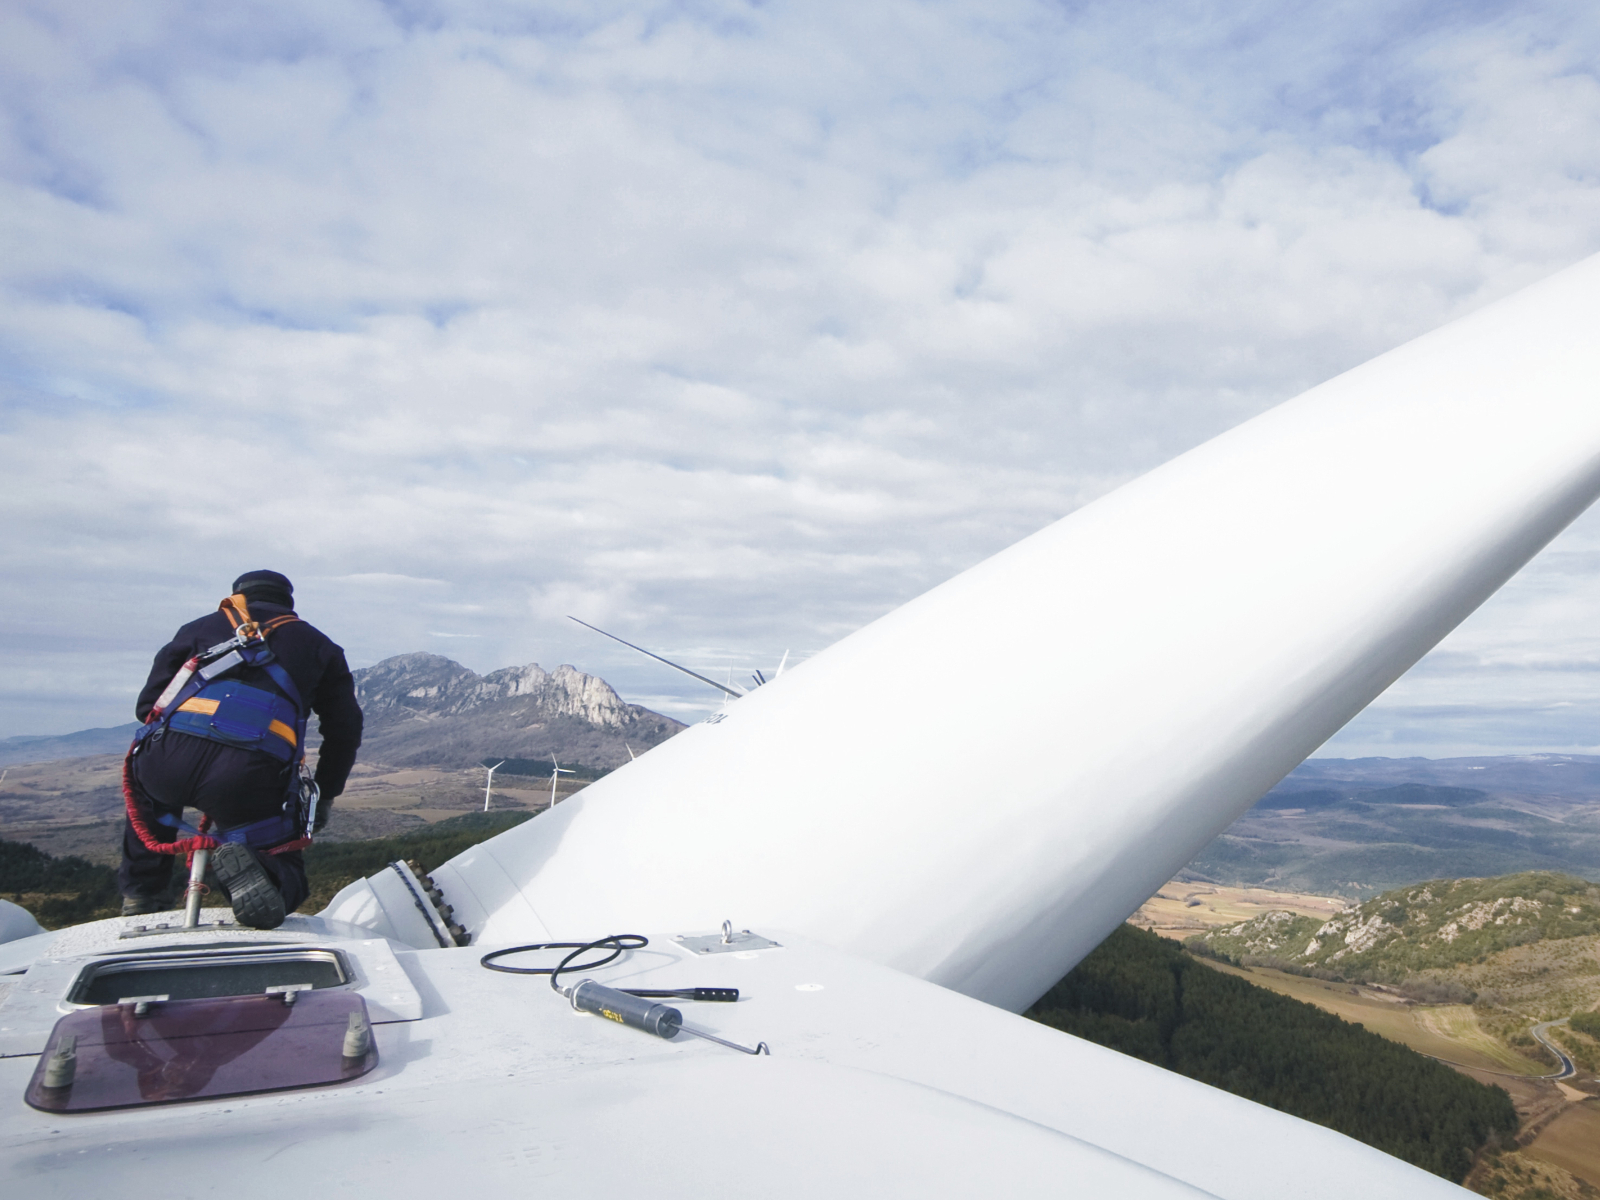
(203, 701)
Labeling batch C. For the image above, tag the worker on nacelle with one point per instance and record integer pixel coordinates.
(225, 711)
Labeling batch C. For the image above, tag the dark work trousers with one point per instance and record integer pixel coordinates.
(174, 771)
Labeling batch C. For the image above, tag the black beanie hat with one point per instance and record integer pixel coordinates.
(269, 587)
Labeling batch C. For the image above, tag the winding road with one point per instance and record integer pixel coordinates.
(1567, 1067)
(1561, 1055)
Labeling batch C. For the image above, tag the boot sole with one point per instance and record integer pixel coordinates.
(256, 902)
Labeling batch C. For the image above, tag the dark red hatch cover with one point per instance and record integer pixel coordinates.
(192, 1049)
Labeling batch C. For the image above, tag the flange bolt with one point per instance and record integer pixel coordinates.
(62, 1066)
(358, 1037)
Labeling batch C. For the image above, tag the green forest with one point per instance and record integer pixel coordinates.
(1142, 995)
(65, 891)
(1586, 1022)
(58, 891)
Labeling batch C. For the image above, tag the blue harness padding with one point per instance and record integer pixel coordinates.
(269, 831)
(239, 715)
(243, 715)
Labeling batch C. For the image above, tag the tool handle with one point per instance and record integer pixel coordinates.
(714, 994)
(625, 1009)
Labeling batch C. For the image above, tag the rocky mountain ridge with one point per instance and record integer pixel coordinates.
(1436, 925)
(427, 710)
(434, 684)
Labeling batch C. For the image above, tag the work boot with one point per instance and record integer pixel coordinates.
(138, 906)
(256, 900)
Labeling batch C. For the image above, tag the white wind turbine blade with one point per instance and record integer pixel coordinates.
(1191, 637)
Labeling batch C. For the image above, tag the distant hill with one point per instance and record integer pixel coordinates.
(67, 745)
(427, 710)
(1432, 926)
(1564, 777)
(1333, 827)
(1357, 827)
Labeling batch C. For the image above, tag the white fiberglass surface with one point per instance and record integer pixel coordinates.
(1125, 682)
(876, 1085)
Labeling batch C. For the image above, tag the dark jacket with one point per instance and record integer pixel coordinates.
(313, 661)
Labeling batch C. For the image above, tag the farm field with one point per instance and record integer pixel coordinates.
(1450, 1032)
(1458, 1025)
(1572, 1142)
(1179, 910)
(75, 806)
(433, 794)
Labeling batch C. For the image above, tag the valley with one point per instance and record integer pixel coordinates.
(1357, 827)
(1458, 969)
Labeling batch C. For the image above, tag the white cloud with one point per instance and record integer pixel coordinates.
(727, 326)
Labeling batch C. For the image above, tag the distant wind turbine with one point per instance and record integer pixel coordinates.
(556, 771)
(489, 783)
(761, 680)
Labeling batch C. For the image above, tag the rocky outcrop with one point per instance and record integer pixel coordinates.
(427, 710)
(416, 682)
(430, 683)
(564, 692)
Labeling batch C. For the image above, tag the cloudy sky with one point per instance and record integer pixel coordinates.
(728, 326)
